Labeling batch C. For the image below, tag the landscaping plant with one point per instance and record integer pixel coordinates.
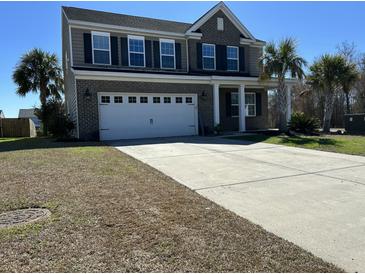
(54, 118)
(279, 61)
(302, 123)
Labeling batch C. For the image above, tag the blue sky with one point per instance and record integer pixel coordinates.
(317, 26)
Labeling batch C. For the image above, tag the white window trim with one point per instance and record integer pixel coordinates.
(106, 34)
(220, 24)
(205, 44)
(174, 55)
(238, 58)
(144, 51)
(246, 109)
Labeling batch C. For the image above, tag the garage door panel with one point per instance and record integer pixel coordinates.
(147, 120)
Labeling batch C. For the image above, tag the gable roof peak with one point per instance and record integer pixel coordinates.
(224, 8)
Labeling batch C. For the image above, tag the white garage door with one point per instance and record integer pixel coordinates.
(142, 115)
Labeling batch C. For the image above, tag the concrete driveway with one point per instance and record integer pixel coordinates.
(311, 198)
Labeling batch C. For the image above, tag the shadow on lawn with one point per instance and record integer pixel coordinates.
(297, 140)
(13, 144)
(292, 140)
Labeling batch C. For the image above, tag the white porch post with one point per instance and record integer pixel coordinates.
(242, 108)
(288, 103)
(216, 104)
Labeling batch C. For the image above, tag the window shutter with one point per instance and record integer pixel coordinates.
(156, 54)
(178, 55)
(242, 59)
(124, 48)
(221, 57)
(199, 58)
(114, 50)
(88, 55)
(148, 50)
(258, 104)
(228, 104)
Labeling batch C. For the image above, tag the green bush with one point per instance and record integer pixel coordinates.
(301, 123)
(55, 122)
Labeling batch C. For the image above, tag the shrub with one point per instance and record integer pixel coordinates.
(54, 119)
(218, 129)
(302, 123)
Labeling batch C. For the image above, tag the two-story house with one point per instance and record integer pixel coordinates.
(134, 77)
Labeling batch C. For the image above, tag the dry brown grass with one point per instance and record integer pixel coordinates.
(112, 213)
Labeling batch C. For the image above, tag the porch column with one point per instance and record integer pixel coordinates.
(288, 103)
(242, 108)
(216, 104)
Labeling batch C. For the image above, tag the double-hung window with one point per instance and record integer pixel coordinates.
(167, 53)
(250, 104)
(208, 51)
(234, 105)
(232, 58)
(250, 101)
(136, 51)
(101, 47)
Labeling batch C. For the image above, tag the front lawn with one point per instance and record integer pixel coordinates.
(347, 144)
(112, 213)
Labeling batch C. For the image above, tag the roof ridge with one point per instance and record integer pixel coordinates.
(123, 14)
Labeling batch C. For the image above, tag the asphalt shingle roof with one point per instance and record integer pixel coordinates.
(125, 20)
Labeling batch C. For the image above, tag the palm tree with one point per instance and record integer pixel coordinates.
(329, 74)
(39, 71)
(348, 80)
(281, 61)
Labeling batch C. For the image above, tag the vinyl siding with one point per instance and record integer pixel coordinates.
(78, 51)
(69, 78)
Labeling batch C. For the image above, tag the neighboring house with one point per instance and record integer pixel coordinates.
(29, 113)
(135, 77)
(2, 115)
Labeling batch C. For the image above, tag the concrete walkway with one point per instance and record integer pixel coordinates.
(311, 198)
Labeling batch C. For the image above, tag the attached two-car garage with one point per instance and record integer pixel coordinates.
(146, 115)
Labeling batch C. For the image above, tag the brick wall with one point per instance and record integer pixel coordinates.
(88, 108)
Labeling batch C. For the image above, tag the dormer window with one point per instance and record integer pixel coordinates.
(220, 24)
(208, 56)
(136, 51)
(167, 53)
(101, 48)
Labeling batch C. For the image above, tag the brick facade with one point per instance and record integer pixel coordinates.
(88, 108)
(88, 113)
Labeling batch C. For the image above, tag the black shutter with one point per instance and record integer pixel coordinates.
(228, 104)
(178, 55)
(242, 59)
(114, 49)
(124, 49)
(221, 57)
(199, 59)
(148, 45)
(88, 55)
(258, 104)
(156, 54)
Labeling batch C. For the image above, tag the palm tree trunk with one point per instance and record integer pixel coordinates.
(43, 99)
(282, 105)
(328, 110)
(347, 95)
